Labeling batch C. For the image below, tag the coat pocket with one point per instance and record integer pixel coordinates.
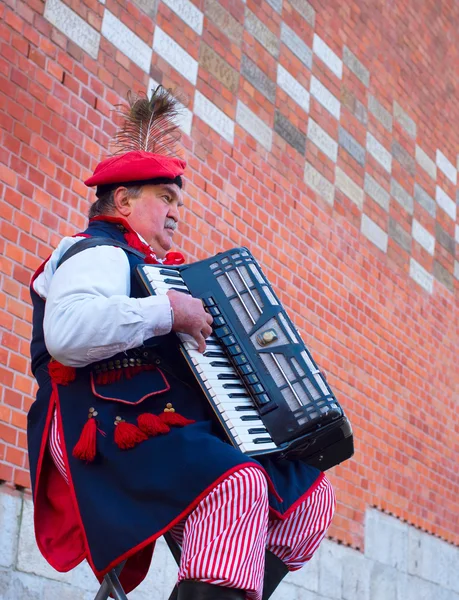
(132, 389)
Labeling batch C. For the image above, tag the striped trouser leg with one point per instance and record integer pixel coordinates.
(224, 538)
(55, 448)
(295, 539)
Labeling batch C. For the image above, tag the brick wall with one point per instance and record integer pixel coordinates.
(324, 136)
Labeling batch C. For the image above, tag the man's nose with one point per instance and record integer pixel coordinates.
(173, 212)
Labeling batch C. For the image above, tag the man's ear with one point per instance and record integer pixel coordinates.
(123, 204)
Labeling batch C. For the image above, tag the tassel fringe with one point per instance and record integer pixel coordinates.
(85, 448)
(152, 425)
(61, 374)
(128, 435)
(173, 419)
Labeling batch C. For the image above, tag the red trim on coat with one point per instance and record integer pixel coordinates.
(301, 499)
(166, 389)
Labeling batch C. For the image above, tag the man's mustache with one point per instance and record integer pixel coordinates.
(170, 224)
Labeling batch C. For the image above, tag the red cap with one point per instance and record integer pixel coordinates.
(136, 166)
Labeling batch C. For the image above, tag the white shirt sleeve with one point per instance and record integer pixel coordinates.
(89, 315)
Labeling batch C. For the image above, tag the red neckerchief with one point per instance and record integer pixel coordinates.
(133, 240)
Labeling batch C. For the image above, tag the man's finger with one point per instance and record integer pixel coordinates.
(209, 319)
(201, 342)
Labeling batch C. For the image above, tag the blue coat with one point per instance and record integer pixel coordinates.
(117, 505)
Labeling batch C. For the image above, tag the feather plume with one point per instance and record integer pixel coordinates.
(149, 124)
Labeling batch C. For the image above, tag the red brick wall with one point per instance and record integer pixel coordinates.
(388, 345)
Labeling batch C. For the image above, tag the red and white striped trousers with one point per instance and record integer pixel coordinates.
(224, 539)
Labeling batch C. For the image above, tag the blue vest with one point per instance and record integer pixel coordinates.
(127, 498)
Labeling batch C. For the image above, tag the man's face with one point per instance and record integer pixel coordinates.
(155, 215)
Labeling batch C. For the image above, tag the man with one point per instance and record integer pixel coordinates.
(122, 445)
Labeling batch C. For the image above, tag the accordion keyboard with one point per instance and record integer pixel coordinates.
(220, 382)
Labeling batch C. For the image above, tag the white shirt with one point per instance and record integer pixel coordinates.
(89, 315)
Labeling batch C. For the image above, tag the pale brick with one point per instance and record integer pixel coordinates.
(456, 233)
(443, 275)
(445, 202)
(327, 56)
(402, 196)
(149, 7)
(73, 26)
(423, 237)
(325, 97)
(289, 132)
(444, 239)
(446, 167)
(175, 55)
(305, 10)
(348, 186)
(426, 201)
(405, 121)
(126, 41)
(378, 110)
(351, 145)
(376, 191)
(374, 233)
(402, 156)
(421, 276)
(276, 4)
(319, 183)
(322, 140)
(399, 234)
(426, 162)
(352, 62)
(224, 21)
(218, 67)
(296, 45)
(379, 153)
(262, 33)
(355, 106)
(188, 12)
(290, 85)
(456, 269)
(258, 79)
(214, 117)
(254, 125)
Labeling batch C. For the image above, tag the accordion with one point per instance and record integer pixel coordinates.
(256, 372)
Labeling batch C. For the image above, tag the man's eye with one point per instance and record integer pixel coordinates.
(167, 198)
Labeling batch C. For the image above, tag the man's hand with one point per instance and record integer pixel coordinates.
(190, 317)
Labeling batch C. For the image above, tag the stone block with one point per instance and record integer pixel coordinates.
(399, 235)
(445, 239)
(21, 586)
(423, 237)
(276, 4)
(262, 33)
(402, 196)
(376, 191)
(426, 201)
(456, 233)
(126, 41)
(331, 563)
(383, 582)
(305, 10)
(319, 183)
(254, 125)
(456, 269)
(322, 140)
(62, 591)
(381, 114)
(224, 21)
(379, 153)
(445, 202)
(175, 55)
(443, 275)
(355, 106)
(218, 67)
(289, 132)
(188, 12)
(402, 156)
(73, 26)
(351, 145)
(258, 79)
(446, 167)
(356, 576)
(348, 186)
(327, 56)
(149, 7)
(296, 45)
(291, 87)
(325, 97)
(405, 121)
(353, 64)
(306, 578)
(386, 540)
(10, 511)
(421, 276)
(426, 162)
(374, 233)
(214, 117)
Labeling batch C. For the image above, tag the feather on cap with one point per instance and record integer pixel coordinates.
(146, 142)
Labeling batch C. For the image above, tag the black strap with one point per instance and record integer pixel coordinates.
(92, 242)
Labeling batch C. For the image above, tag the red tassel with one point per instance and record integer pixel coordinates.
(61, 374)
(173, 419)
(85, 448)
(152, 425)
(128, 435)
(105, 377)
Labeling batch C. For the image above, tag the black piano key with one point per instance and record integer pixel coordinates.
(262, 441)
(213, 354)
(213, 343)
(228, 376)
(182, 290)
(174, 282)
(250, 418)
(255, 430)
(243, 408)
(238, 395)
(233, 386)
(170, 273)
(220, 363)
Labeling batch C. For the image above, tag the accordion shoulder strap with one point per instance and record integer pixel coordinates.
(92, 242)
